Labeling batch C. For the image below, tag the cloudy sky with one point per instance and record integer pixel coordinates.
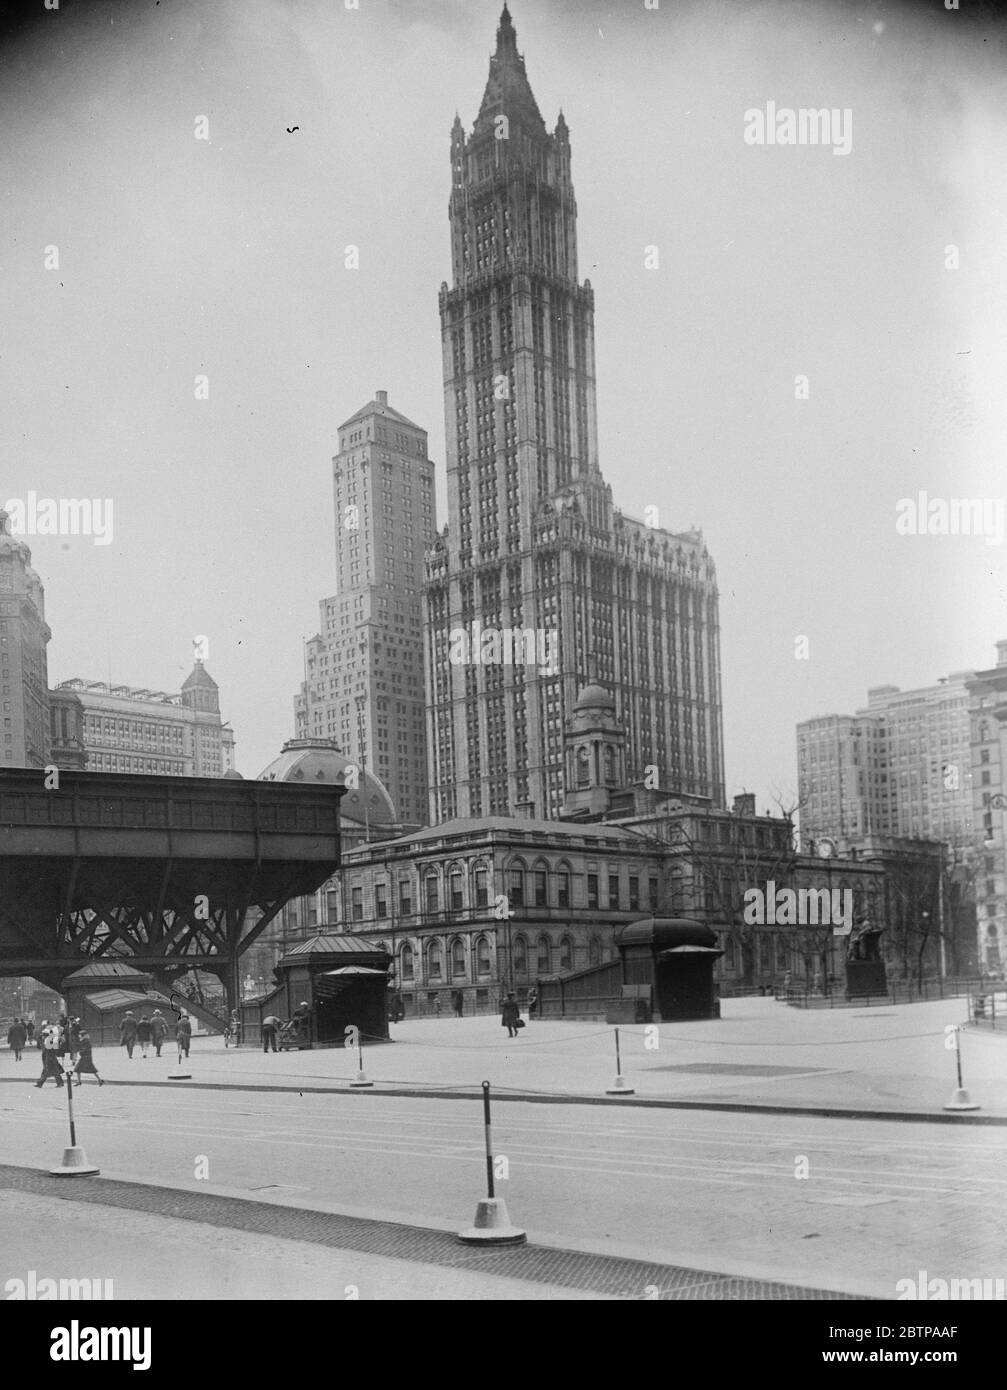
(180, 257)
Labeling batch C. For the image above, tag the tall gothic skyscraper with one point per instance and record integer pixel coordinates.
(533, 541)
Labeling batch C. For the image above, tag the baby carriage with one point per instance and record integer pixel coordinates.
(293, 1035)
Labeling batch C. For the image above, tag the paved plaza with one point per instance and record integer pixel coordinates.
(269, 1173)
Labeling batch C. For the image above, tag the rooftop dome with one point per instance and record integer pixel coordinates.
(666, 933)
(320, 760)
(9, 543)
(595, 697)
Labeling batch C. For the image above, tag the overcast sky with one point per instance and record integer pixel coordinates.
(180, 257)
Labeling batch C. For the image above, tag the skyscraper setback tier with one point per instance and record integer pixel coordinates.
(533, 542)
(363, 684)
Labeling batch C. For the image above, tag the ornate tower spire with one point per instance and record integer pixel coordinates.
(506, 34)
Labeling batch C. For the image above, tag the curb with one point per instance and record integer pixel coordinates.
(825, 1112)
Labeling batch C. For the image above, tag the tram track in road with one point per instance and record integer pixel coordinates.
(705, 1158)
(687, 1185)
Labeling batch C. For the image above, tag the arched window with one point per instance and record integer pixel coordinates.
(563, 884)
(515, 884)
(457, 957)
(406, 962)
(435, 960)
(594, 951)
(544, 960)
(608, 762)
(456, 899)
(483, 966)
(520, 956)
(432, 894)
(540, 884)
(565, 953)
(480, 878)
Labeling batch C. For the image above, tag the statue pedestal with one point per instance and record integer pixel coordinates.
(866, 977)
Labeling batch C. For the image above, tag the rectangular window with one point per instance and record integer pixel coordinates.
(381, 899)
(482, 888)
(405, 896)
(456, 891)
(592, 890)
(652, 894)
(634, 894)
(358, 904)
(541, 896)
(613, 890)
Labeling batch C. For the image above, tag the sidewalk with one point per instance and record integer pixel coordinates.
(233, 1247)
(761, 1055)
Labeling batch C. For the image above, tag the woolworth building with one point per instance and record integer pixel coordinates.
(533, 541)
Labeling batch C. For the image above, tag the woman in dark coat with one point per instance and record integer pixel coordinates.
(127, 1032)
(183, 1035)
(510, 1016)
(17, 1035)
(85, 1062)
(144, 1032)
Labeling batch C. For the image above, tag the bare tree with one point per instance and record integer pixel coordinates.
(717, 858)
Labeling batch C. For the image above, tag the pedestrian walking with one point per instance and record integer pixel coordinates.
(270, 1027)
(50, 1060)
(73, 1036)
(30, 1029)
(511, 1015)
(17, 1035)
(437, 1005)
(85, 1061)
(143, 1034)
(158, 1030)
(183, 1035)
(459, 1003)
(532, 1002)
(127, 1032)
(64, 1036)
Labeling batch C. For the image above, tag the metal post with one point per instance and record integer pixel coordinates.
(958, 1056)
(489, 1139)
(69, 1104)
(618, 1064)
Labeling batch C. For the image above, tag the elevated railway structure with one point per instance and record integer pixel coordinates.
(166, 873)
